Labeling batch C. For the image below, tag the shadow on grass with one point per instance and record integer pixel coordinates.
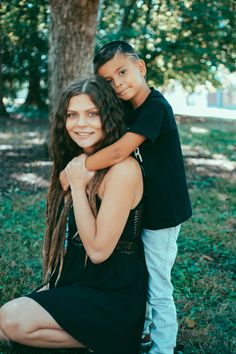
(204, 273)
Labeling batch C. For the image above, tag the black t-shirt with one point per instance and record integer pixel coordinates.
(167, 202)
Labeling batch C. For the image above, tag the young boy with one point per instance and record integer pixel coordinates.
(153, 135)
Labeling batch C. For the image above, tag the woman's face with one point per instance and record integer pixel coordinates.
(83, 122)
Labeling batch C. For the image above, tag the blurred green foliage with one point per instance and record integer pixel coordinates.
(24, 49)
(185, 40)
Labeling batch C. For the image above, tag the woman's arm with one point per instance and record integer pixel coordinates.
(101, 234)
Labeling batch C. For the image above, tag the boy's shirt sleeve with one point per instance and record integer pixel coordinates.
(149, 120)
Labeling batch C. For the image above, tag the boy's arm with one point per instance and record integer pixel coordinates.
(115, 152)
(110, 155)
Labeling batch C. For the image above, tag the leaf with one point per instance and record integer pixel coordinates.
(207, 258)
(189, 322)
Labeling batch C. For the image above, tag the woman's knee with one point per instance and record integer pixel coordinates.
(12, 321)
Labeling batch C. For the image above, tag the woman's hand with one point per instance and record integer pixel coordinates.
(77, 174)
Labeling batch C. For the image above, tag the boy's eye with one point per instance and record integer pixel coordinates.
(109, 81)
(123, 72)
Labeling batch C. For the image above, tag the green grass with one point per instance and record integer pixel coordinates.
(21, 240)
(204, 273)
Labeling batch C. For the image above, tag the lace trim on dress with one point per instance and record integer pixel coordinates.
(123, 246)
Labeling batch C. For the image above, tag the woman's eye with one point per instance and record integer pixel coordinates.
(109, 81)
(93, 114)
(69, 115)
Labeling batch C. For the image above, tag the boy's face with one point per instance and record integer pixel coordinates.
(127, 77)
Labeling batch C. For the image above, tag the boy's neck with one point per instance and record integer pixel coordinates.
(141, 97)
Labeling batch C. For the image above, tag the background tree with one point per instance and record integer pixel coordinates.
(182, 40)
(24, 49)
(36, 17)
(3, 111)
(72, 40)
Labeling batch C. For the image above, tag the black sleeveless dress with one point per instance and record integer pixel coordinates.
(101, 305)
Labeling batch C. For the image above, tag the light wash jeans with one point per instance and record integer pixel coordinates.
(160, 249)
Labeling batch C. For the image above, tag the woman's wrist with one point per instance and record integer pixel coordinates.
(78, 188)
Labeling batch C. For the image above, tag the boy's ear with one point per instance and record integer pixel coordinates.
(142, 67)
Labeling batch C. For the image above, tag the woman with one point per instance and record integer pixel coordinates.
(93, 258)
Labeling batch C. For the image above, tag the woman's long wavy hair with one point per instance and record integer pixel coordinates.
(63, 149)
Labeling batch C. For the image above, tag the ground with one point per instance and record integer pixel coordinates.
(204, 273)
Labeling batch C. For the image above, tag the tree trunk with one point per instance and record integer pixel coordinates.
(3, 111)
(34, 95)
(71, 43)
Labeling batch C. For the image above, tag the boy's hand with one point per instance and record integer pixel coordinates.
(77, 174)
(64, 181)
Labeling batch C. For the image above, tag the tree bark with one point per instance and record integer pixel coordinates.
(71, 43)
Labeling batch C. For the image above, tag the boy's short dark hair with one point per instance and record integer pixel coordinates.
(109, 50)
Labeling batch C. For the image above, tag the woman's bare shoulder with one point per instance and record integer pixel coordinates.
(129, 167)
(127, 171)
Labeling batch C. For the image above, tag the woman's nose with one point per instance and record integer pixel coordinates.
(81, 120)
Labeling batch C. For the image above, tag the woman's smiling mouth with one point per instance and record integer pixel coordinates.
(83, 133)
